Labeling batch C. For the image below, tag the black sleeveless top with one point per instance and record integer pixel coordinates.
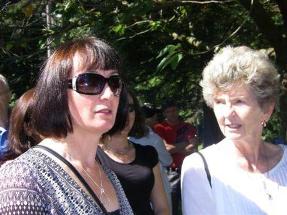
(136, 177)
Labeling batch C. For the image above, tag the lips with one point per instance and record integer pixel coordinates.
(104, 111)
(233, 126)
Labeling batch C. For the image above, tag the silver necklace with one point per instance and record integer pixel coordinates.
(103, 196)
(266, 190)
(101, 187)
(268, 187)
(265, 178)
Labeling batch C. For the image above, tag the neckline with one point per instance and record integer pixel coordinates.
(283, 158)
(76, 173)
(270, 171)
(119, 163)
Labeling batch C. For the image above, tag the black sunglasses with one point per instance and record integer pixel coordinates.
(91, 83)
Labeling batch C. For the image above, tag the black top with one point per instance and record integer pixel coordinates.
(137, 177)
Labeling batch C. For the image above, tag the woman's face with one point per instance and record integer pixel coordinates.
(238, 114)
(96, 113)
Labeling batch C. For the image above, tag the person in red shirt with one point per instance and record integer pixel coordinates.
(180, 140)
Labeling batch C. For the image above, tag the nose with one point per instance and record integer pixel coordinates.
(228, 110)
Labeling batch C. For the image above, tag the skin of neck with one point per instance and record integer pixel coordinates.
(252, 154)
(117, 141)
(78, 148)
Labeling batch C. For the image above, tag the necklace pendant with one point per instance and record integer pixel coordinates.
(269, 196)
(102, 190)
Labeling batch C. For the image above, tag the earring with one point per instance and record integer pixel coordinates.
(109, 138)
(263, 123)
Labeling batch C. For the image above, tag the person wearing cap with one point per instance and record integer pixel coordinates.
(180, 138)
(153, 139)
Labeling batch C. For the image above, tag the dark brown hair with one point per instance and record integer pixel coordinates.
(51, 115)
(22, 136)
(122, 113)
(139, 128)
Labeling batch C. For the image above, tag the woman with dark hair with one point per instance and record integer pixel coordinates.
(21, 134)
(75, 102)
(136, 166)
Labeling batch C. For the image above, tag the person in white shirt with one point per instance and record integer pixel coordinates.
(243, 174)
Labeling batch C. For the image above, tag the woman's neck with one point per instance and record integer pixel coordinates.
(257, 155)
(78, 150)
(116, 142)
(119, 148)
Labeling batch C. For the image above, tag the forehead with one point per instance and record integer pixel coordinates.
(82, 63)
(236, 90)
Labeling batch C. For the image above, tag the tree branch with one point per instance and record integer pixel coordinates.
(263, 21)
(175, 3)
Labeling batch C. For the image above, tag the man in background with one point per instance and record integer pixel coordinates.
(4, 118)
(180, 141)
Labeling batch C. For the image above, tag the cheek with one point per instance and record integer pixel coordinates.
(246, 114)
(218, 114)
(78, 105)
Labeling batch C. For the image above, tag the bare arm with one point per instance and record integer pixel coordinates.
(177, 148)
(186, 147)
(192, 146)
(158, 196)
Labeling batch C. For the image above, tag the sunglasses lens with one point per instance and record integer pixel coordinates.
(90, 83)
(115, 84)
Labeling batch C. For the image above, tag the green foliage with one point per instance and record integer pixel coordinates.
(272, 129)
(164, 44)
(171, 55)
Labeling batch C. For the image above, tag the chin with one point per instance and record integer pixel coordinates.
(233, 137)
(103, 127)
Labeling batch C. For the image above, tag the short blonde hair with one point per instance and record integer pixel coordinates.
(241, 65)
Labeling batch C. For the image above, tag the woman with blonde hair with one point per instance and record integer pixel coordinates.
(243, 173)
